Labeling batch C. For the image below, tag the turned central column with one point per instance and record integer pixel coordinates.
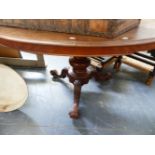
(79, 71)
(78, 75)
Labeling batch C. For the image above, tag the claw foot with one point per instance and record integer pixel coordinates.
(74, 114)
(54, 73)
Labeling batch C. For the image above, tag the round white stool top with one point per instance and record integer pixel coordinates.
(13, 89)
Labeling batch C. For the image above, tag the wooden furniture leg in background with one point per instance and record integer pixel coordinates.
(150, 77)
(152, 73)
(78, 76)
(141, 61)
(102, 62)
(118, 63)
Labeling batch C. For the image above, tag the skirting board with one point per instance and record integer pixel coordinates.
(20, 62)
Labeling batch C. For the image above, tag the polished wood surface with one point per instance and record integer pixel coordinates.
(141, 38)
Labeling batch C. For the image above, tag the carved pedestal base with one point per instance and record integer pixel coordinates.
(79, 75)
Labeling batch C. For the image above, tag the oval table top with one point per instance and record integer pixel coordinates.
(45, 42)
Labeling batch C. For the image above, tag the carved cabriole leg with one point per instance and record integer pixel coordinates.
(77, 92)
(118, 63)
(78, 75)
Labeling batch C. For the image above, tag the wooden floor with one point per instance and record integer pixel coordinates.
(123, 105)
